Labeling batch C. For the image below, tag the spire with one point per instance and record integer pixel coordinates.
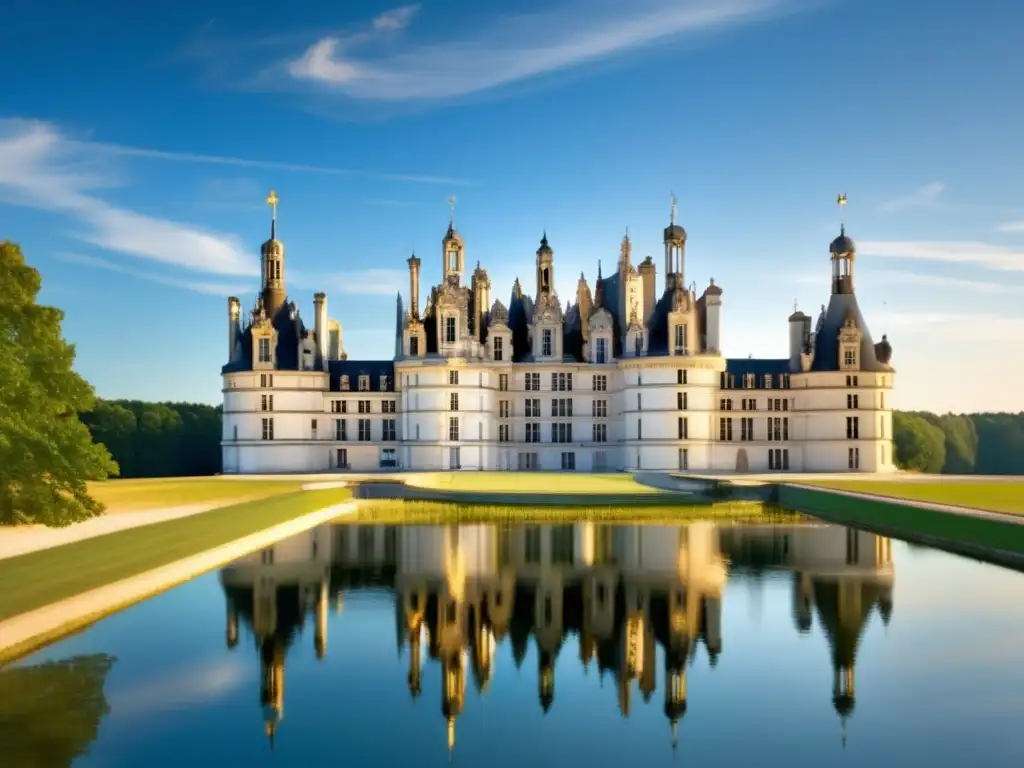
(451, 215)
(841, 202)
(272, 202)
(672, 209)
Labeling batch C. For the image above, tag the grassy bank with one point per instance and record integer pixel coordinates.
(906, 521)
(155, 493)
(39, 578)
(995, 496)
(434, 513)
(531, 483)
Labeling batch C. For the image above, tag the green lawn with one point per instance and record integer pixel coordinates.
(40, 578)
(153, 493)
(995, 496)
(531, 483)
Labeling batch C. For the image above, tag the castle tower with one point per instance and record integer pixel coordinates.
(842, 252)
(234, 313)
(414, 286)
(481, 301)
(453, 250)
(272, 264)
(648, 276)
(545, 268)
(320, 330)
(584, 302)
(675, 251)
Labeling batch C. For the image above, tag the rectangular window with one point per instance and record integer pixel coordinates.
(883, 401)
(746, 428)
(684, 458)
(725, 429)
(266, 380)
(532, 382)
(503, 433)
(639, 430)
(851, 381)
(268, 429)
(266, 402)
(533, 432)
(852, 427)
(265, 350)
(344, 384)
(684, 428)
(364, 383)
(599, 433)
(546, 343)
(453, 378)
(601, 383)
(449, 330)
(453, 428)
(561, 406)
(343, 458)
(340, 433)
(388, 429)
(532, 406)
(503, 409)
(414, 346)
(453, 401)
(850, 356)
(639, 402)
(454, 458)
(682, 403)
(785, 429)
(854, 458)
(312, 429)
(767, 381)
(599, 408)
(725, 404)
(681, 376)
(389, 406)
(499, 348)
(503, 382)
(561, 433)
(568, 460)
(601, 350)
(364, 430)
(852, 401)
(364, 406)
(680, 339)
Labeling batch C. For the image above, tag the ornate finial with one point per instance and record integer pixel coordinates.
(672, 215)
(272, 202)
(841, 202)
(451, 214)
(598, 269)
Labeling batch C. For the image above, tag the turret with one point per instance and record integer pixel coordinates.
(675, 251)
(453, 250)
(414, 286)
(648, 275)
(799, 327)
(481, 301)
(842, 252)
(234, 313)
(545, 268)
(272, 265)
(713, 310)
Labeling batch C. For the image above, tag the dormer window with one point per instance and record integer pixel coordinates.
(364, 383)
(264, 350)
(344, 384)
(384, 383)
(850, 357)
(748, 381)
(453, 260)
(499, 348)
(449, 330)
(680, 339)
(547, 342)
(414, 346)
(601, 350)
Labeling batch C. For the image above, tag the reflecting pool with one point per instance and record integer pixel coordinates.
(593, 644)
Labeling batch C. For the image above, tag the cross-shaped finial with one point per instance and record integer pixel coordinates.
(672, 215)
(272, 202)
(841, 202)
(451, 215)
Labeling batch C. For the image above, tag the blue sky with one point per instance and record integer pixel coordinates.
(136, 151)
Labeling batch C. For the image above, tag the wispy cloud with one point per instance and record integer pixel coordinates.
(215, 289)
(1011, 226)
(922, 197)
(882, 276)
(270, 165)
(363, 66)
(192, 685)
(943, 327)
(394, 20)
(985, 255)
(39, 168)
(366, 282)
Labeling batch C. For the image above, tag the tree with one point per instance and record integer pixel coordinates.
(46, 452)
(917, 445)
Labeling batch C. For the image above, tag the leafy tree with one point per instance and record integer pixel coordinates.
(46, 452)
(918, 445)
(961, 444)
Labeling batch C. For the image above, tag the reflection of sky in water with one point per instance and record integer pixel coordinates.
(940, 685)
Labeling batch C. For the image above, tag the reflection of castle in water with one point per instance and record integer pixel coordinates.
(623, 590)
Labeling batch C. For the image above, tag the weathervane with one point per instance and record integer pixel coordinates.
(841, 202)
(272, 202)
(672, 215)
(451, 215)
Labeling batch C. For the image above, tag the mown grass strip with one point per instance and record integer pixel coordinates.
(40, 578)
(154, 493)
(992, 495)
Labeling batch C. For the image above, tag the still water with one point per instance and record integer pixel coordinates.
(587, 644)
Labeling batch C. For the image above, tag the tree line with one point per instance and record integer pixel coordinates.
(959, 444)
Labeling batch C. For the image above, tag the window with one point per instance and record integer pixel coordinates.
(599, 409)
(388, 457)
(684, 428)
(561, 382)
(364, 430)
(453, 378)
(750, 403)
(546, 345)
(639, 431)
(725, 404)
(499, 348)
(336, 406)
(599, 433)
(778, 428)
(568, 462)
(454, 459)
(601, 383)
(852, 401)
(682, 403)
(389, 406)
(600, 463)
(561, 433)
(851, 381)
(266, 380)
(767, 381)
(265, 350)
(684, 458)
(503, 433)
(601, 350)
(850, 356)
(266, 402)
(532, 382)
(778, 459)
(639, 402)
(533, 433)
(747, 428)
(453, 401)
(883, 401)
(268, 429)
(854, 458)
(725, 429)
(312, 429)
(388, 429)
(533, 408)
(385, 383)
(453, 428)
(342, 458)
(529, 461)
(503, 409)
(344, 384)
(561, 406)
(364, 406)
(680, 334)
(503, 382)
(364, 383)
(852, 427)
(681, 376)
(340, 433)
(414, 345)
(449, 330)
(881, 427)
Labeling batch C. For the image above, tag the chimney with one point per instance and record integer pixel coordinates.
(234, 312)
(320, 328)
(648, 274)
(713, 307)
(414, 287)
(798, 325)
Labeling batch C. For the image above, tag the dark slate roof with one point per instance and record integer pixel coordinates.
(290, 331)
(356, 368)
(739, 366)
(657, 327)
(826, 344)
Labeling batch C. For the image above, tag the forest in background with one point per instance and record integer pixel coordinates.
(178, 439)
